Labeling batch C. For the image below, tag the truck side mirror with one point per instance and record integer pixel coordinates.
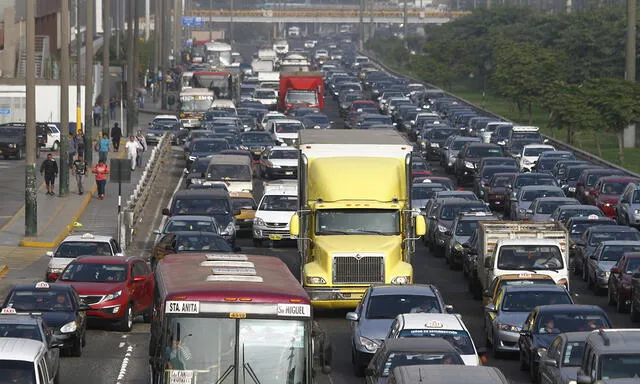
(294, 225)
(421, 226)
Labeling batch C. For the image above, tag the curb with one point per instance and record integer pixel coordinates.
(26, 242)
(3, 271)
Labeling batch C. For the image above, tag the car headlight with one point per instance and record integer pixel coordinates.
(435, 145)
(230, 229)
(501, 142)
(442, 228)
(258, 221)
(113, 296)
(368, 344)
(192, 158)
(69, 327)
(197, 181)
(423, 144)
(468, 164)
(315, 280)
(458, 247)
(526, 162)
(540, 351)
(603, 273)
(508, 327)
(12, 145)
(607, 204)
(401, 280)
(637, 211)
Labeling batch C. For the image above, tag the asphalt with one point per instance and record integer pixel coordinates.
(114, 357)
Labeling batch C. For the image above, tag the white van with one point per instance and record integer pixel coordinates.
(235, 171)
(285, 131)
(277, 206)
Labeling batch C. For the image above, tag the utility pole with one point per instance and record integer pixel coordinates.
(31, 189)
(163, 53)
(147, 19)
(156, 50)
(361, 25)
(210, 20)
(231, 22)
(106, 76)
(117, 29)
(178, 33)
(88, 83)
(65, 28)
(136, 62)
(405, 22)
(130, 67)
(79, 69)
(630, 65)
(372, 26)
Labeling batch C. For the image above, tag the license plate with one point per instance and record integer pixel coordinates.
(275, 237)
(289, 173)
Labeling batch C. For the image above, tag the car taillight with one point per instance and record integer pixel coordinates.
(52, 276)
(313, 106)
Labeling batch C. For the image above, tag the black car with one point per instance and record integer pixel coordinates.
(12, 142)
(61, 307)
(195, 174)
(545, 322)
(482, 178)
(468, 158)
(256, 142)
(206, 147)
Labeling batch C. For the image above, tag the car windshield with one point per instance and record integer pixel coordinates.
(288, 127)
(256, 139)
(207, 146)
(505, 282)
(522, 181)
(163, 126)
(530, 257)
(440, 134)
(525, 301)
(73, 249)
(201, 242)
(619, 366)
(229, 172)
(535, 151)
(575, 172)
(593, 178)
(481, 151)
(580, 227)
(633, 266)
(190, 226)
(95, 273)
(278, 203)
(264, 94)
(547, 207)
(21, 331)
(572, 356)
(317, 118)
(357, 222)
(390, 306)
(578, 212)
(574, 321)
(613, 188)
(403, 359)
(39, 300)
(426, 192)
(450, 211)
(546, 164)
(615, 252)
(418, 166)
(460, 340)
(203, 206)
(459, 144)
(290, 155)
(597, 237)
(487, 172)
(466, 227)
(533, 194)
(501, 181)
(17, 371)
(242, 203)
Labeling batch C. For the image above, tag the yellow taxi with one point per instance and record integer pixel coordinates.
(513, 279)
(244, 202)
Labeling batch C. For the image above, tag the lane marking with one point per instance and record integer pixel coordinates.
(125, 363)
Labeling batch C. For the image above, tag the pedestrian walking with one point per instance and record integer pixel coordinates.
(72, 149)
(133, 147)
(49, 168)
(80, 144)
(101, 170)
(143, 144)
(79, 169)
(97, 114)
(103, 147)
(116, 136)
(112, 108)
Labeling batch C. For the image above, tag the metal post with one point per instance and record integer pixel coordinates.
(136, 63)
(405, 22)
(64, 98)
(164, 57)
(210, 20)
(629, 135)
(372, 26)
(156, 50)
(147, 18)
(106, 75)
(31, 189)
(117, 29)
(79, 70)
(177, 25)
(88, 84)
(361, 25)
(130, 68)
(231, 23)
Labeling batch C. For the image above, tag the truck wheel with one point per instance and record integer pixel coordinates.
(56, 146)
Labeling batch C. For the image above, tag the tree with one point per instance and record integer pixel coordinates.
(523, 71)
(616, 100)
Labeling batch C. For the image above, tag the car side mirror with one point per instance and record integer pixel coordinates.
(529, 212)
(185, 171)
(353, 316)
(157, 232)
(486, 293)
(449, 308)
(166, 212)
(545, 360)
(49, 253)
(545, 141)
(139, 279)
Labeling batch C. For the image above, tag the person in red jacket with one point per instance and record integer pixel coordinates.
(101, 170)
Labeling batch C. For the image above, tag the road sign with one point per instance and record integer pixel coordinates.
(192, 21)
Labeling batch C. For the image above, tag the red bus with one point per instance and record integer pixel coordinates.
(225, 318)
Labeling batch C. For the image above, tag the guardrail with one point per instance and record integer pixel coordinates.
(556, 143)
(289, 13)
(134, 206)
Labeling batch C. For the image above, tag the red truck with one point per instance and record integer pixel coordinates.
(301, 89)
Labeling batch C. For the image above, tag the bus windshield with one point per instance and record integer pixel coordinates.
(219, 350)
(190, 104)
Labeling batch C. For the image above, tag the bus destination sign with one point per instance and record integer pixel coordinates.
(190, 307)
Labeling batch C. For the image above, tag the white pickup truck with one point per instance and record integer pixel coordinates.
(528, 248)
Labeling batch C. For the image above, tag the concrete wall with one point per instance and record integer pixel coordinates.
(12, 103)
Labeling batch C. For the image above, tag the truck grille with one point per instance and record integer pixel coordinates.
(357, 268)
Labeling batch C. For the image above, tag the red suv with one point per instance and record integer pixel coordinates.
(116, 288)
(607, 191)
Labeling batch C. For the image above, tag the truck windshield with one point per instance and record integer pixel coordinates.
(211, 349)
(358, 222)
(301, 97)
(528, 257)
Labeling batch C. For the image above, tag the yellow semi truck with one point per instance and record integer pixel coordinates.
(354, 224)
